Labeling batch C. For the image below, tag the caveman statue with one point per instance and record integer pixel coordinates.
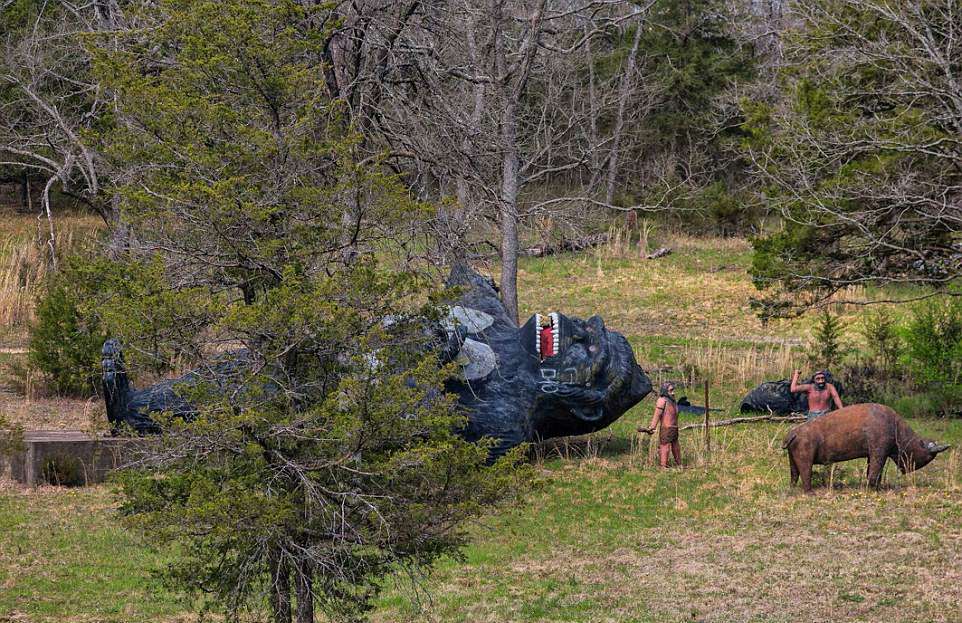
(513, 390)
(778, 398)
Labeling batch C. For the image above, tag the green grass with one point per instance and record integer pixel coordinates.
(609, 537)
(604, 535)
(63, 556)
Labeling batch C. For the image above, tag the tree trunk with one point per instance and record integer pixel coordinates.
(624, 92)
(120, 236)
(593, 106)
(304, 590)
(280, 591)
(25, 204)
(509, 211)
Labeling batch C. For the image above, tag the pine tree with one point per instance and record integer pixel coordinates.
(326, 455)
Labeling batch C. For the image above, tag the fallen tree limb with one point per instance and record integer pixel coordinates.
(573, 244)
(749, 420)
(662, 252)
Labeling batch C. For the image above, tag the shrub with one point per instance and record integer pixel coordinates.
(881, 332)
(876, 376)
(65, 340)
(11, 437)
(934, 352)
(825, 349)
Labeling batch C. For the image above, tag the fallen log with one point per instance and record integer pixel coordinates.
(749, 420)
(569, 245)
(662, 252)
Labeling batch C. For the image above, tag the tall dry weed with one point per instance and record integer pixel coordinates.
(24, 264)
(741, 368)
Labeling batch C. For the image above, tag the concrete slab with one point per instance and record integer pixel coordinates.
(68, 457)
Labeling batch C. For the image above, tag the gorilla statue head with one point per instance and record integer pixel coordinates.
(553, 376)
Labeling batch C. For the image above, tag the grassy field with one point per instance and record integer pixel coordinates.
(605, 535)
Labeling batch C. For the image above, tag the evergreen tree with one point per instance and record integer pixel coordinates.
(326, 454)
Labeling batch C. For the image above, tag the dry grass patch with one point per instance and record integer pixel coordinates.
(54, 413)
(25, 263)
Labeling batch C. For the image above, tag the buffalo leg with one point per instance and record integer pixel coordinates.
(805, 470)
(793, 468)
(874, 473)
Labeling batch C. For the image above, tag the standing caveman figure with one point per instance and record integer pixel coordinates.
(666, 413)
(821, 394)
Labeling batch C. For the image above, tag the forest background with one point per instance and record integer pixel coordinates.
(793, 155)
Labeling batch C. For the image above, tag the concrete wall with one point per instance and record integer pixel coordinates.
(65, 458)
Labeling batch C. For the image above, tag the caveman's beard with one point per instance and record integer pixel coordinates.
(821, 385)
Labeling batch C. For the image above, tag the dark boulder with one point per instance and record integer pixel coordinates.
(775, 397)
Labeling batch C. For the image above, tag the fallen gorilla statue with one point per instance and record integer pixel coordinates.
(552, 377)
(871, 431)
(776, 397)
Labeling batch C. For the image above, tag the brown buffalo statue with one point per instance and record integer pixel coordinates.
(871, 431)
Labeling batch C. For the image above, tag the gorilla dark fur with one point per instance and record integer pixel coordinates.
(513, 392)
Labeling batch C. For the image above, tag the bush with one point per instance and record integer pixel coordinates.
(876, 376)
(825, 350)
(65, 340)
(11, 437)
(881, 332)
(934, 352)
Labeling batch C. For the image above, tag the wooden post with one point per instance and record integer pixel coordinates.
(707, 426)
(653, 445)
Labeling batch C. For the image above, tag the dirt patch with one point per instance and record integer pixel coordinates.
(775, 571)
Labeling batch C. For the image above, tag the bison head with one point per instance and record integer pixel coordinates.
(918, 453)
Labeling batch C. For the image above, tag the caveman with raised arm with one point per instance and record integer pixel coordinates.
(821, 394)
(666, 412)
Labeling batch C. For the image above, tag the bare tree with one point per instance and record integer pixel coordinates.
(867, 154)
(49, 102)
(488, 98)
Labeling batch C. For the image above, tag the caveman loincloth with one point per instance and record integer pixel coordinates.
(668, 435)
(811, 415)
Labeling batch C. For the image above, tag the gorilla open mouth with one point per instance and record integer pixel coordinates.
(567, 350)
(546, 339)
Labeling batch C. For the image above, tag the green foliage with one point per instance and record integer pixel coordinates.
(18, 14)
(876, 374)
(825, 349)
(66, 338)
(327, 455)
(694, 58)
(933, 353)
(720, 210)
(881, 333)
(854, 156)
(689, 58)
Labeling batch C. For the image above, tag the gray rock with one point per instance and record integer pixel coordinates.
(467, 319)
(477, 360)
